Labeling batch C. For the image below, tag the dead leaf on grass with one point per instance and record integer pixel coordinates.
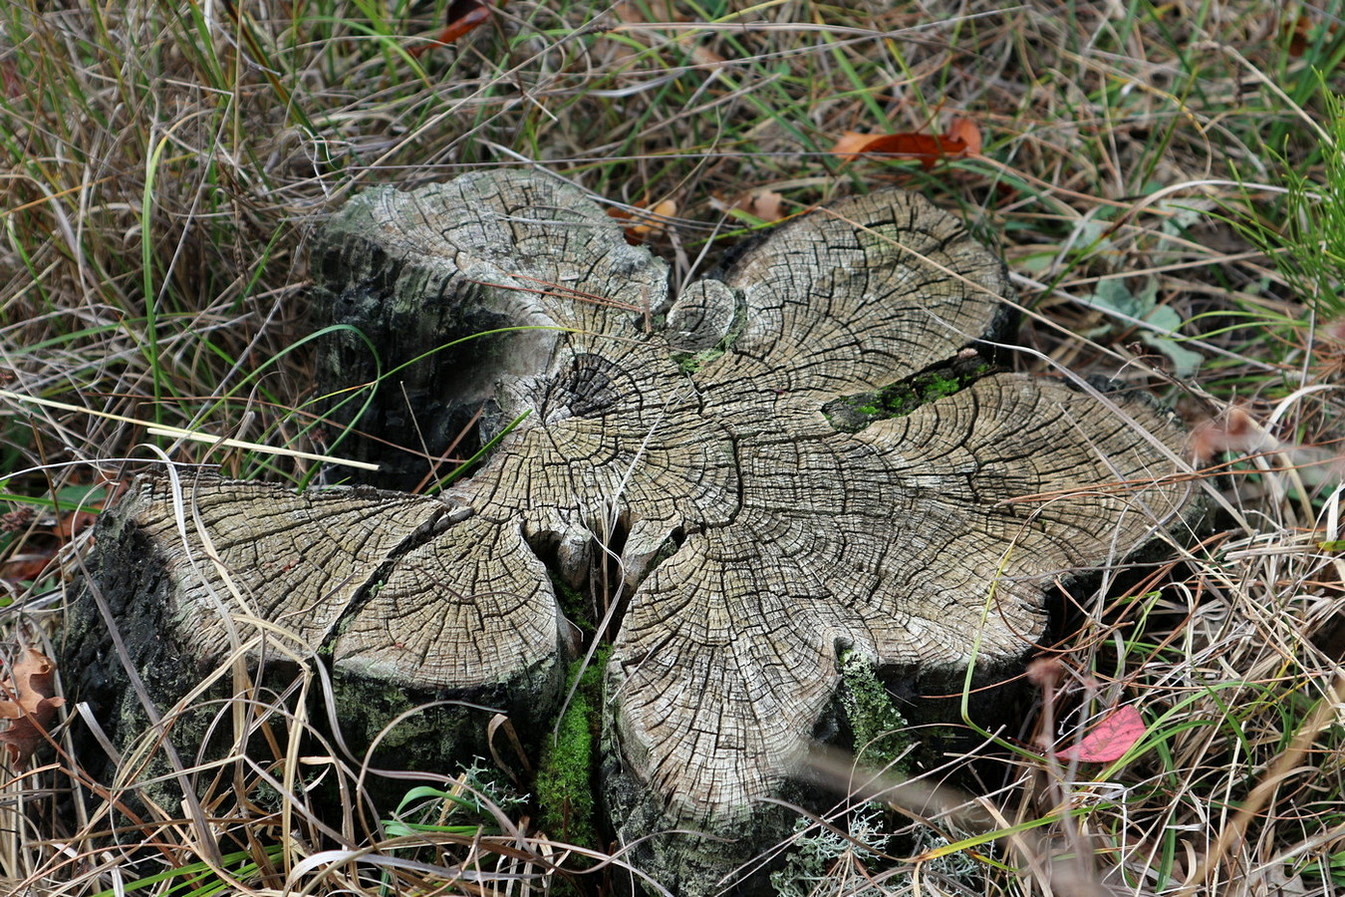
(645, 224)
(1235, 432)
(29, 563)
(962, 139)
(968, 132)
(26, 566)
(705, 57)
(764, 204)
(29, 703)
(463, 16)
(1304, 32)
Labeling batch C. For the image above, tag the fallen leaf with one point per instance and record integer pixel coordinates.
(1109, 739)
(75, 522)
(26, 566)
(641, 20)
(645, 224)
(463, 16)
(28, 703)
(13, 85)
(704, 56)
(1300, 34)
(851, 144)
(1235, 432)
(966, 130)
(928, 148)
(762, 205)
(37, 552)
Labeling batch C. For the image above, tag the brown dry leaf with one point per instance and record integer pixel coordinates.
(962, 139)
(968, 132)
(28, 703)
(634, 16)
(763, 204)
(704, 56)
(75, 522)
(27, 565)
(1236, 432)
(13, 88)
(645, 224)
(1301, 36)
(851, 144)
(463, 16)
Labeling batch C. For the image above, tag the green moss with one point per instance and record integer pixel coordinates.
(419, 740)
(565, 777)
(855, 412)
(574, 603)
(881, 732)
(691, 362)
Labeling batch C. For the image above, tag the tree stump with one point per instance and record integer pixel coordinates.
(801, 459)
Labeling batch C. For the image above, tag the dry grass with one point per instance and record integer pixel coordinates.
(1148, 168)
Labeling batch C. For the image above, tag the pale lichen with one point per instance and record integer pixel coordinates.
(881, 733)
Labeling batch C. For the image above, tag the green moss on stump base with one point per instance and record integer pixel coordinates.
(565, 783)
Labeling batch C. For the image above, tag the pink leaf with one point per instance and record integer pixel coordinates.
(1109, 739)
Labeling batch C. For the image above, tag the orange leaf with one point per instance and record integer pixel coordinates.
(965, 129)
(463, 16)
(29, 705)
(645, 224)
(28, 565)
(928, 148)
(1109, 739)
(851, 144)
(763, 205)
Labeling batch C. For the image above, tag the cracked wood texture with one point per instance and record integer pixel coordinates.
(687, 436)
(350, 570)
(192, 572)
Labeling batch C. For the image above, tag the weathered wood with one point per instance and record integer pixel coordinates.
(759, 531)
(501, 281)
(192, 573)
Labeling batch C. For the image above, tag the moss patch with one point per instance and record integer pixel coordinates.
(565, 786)
(691, 362)
(576, 606)
(855, 412)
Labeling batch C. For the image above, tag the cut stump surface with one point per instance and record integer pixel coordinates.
(729, 446)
